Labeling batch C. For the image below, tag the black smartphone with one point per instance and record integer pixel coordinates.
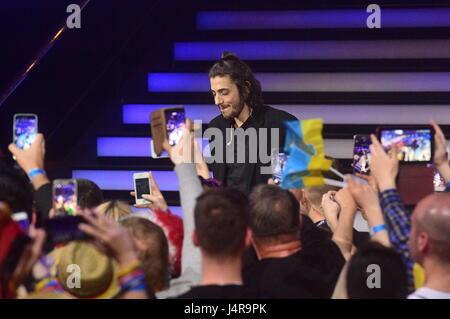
(175, 121)
(415, 143)
(64, 229)
(361, 154)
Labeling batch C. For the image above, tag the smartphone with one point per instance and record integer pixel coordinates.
(65, 197)
(279, 162)
(438, 182)
(415, 143)
(361, 154)
(25, 129)
(166, 123)
(175, 122)
(141, 186)
(22, 219)
(64, 229)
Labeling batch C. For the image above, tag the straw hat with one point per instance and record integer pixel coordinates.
(98, 272)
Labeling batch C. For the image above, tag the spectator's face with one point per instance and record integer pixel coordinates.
(226, 96)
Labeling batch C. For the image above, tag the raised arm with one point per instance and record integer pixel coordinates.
(182, 155)
(343, 234)
(384, 168)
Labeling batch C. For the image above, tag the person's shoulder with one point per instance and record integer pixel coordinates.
(218, 122)
(277, 114)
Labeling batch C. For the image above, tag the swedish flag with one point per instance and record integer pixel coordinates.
(306, 161)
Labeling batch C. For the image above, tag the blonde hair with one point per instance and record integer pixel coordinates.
(115, 209)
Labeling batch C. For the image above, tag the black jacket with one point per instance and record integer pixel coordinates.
(262, 117)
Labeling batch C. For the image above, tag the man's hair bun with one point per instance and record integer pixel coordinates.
(228, 55)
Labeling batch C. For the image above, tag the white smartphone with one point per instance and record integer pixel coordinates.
(141, 186)
(24, 130)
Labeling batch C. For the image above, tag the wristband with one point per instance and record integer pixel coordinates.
(35, 172)
(377, 229)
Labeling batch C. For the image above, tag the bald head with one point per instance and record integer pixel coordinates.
(432, 216)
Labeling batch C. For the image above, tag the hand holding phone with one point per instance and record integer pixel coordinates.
(141, 187)
(167, 124)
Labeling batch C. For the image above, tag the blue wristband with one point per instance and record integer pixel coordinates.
(377, 229)
(35, 172)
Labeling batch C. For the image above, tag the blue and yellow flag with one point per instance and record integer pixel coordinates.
(306, 161)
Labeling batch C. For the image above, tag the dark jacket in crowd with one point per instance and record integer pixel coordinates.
(246, 175)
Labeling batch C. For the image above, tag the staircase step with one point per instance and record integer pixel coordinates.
(315, 50)
(313, 82)
(321, 19)
(331, 114)
(275, 98)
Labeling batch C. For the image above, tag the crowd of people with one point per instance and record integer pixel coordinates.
(271, 243)
(241, 235)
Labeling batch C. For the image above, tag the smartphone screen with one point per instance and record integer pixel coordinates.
(279, 161)
(64, 229)
(25, 130)
(142, 187)
(64, 197)
(414, 144)
(361, 154)
(175, 121)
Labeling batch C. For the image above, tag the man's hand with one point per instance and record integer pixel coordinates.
(345, 200)
(440, 152)
(156, 198)
(367, 199)
(109, 237)
(331, 209)
(183, 151)
(32, 158)
(363, 194)
(384, 167)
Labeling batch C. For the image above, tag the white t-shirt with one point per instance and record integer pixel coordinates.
(427, 293)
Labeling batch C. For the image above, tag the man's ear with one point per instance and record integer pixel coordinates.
(423, 242)
(195, 238)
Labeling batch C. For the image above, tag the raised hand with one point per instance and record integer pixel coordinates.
(331, 209)
(109, 237)
(440, 152)
(156, 199)
(383, 166)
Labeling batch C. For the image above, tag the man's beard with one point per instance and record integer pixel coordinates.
(235, 111)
